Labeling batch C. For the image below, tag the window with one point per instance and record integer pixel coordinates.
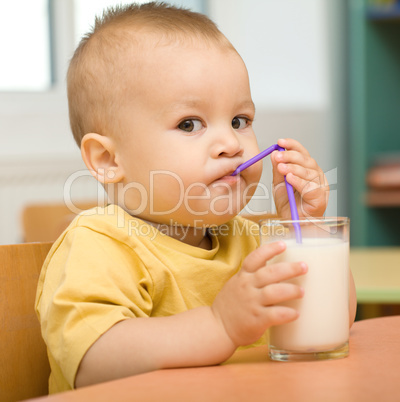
(25, 45)
(30, 29)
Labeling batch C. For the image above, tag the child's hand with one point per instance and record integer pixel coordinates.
(248, 304)
(303, 173)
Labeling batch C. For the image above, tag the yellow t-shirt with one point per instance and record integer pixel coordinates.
(109, 266)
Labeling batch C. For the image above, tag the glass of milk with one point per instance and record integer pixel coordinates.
(322, 328)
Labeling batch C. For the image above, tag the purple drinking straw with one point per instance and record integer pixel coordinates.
(289, 188)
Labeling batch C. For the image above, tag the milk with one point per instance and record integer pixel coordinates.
(323, 324)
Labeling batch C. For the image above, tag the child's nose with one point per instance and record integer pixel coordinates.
(227, 144)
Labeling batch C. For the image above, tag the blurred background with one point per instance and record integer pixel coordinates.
(324, 72)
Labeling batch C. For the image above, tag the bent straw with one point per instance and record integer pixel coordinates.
(289, 188)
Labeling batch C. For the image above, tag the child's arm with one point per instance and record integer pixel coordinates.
(240, 314)
(306, 177)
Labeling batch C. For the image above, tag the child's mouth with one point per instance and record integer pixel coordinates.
(228, 179)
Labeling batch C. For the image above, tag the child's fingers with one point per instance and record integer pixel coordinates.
(277, 176)
(259, 257)
(303, 173)
(295, 158)
(305, 187)
(278, 315)
(291, 144)
(275, 273)
(280, 292)
(301, 165)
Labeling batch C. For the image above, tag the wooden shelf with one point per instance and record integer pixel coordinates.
(383, 198)
(374, 120)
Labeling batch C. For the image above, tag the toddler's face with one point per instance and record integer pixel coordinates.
(186, 126)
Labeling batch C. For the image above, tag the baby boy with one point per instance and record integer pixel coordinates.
(167, 275)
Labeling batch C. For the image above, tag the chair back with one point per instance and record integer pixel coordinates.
(45, 222)
(24, 368)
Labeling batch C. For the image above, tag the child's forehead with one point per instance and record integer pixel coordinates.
(147, 36)
(131, 62)
(137, 53)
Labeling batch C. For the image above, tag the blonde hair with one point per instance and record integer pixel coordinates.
(95, 76)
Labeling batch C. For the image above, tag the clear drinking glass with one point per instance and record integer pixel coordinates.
(322, 329)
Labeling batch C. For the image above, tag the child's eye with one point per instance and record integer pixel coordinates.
(190, 125)
(239, 122)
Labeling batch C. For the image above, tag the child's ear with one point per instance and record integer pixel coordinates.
(98, 153)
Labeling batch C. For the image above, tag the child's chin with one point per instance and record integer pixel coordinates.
(219, 219)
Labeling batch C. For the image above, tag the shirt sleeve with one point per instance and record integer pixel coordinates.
(92, 281)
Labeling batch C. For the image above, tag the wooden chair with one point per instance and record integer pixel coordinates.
(45, 222)
(24, 367)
